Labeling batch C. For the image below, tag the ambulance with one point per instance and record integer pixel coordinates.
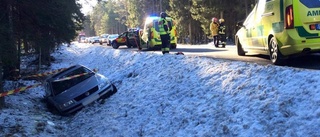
(151, 35)
(280, 29)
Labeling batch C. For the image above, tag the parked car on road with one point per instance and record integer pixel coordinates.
(95, 39)
(74, 88)
(82, 39)
(104, 38)
(87, 40)
(128, 38)
(110, 38)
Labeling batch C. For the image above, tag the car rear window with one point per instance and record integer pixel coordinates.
(113, 36)
(61, 86)
(311, 3)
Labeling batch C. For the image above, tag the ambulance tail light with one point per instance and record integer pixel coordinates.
(289, 17)
(152, 35)
(312, 27)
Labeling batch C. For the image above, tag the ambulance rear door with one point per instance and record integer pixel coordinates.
(307, 18)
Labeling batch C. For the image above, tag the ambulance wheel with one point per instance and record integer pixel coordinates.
(239, 48)
(275, 56)
(115, 45)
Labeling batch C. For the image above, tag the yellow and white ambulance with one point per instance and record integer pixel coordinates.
(280, 29)
(151, 35)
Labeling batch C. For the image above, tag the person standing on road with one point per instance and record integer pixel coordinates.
(164, 29)
(214, 25)
(222, 33)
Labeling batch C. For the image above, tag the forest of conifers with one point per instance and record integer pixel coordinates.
(37, 27)
(192, 17)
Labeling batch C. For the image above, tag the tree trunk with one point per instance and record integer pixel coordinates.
(2, 31)
(246, 6)
(9, 49)
(190, 33)
(19, 55)
(2, 102)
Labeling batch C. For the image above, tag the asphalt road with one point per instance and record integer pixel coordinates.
(230, 53)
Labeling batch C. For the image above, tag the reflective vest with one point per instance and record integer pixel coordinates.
(222, 29)
(162, 23)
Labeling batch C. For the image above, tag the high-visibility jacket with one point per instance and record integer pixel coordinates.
(222, 29)
(163, 26)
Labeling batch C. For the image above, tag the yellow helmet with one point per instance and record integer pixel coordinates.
(221, 20)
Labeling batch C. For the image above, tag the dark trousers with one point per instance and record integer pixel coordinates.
(216, 40)
(165, 40)
(223, 38)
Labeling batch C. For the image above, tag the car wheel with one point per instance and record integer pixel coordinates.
(275, 56)
(240, 50)
(129, 45)
(115, 45)
(134, 45)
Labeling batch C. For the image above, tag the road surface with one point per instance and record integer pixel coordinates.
(230, 53)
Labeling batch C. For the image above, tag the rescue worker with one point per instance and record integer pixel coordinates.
(222, 33)
(214, 25)
(164, 33)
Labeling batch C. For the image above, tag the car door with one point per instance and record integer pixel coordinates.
(245, 33)
(122, 38)
(258, 30)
